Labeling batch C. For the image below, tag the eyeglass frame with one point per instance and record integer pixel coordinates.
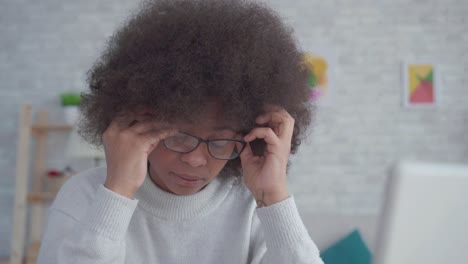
(206, 141)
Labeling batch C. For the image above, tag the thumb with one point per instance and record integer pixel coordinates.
(246, 154)
(154, 137)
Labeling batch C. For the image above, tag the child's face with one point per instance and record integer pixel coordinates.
(188, 173)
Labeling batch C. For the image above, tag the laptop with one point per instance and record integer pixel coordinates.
(425, 215)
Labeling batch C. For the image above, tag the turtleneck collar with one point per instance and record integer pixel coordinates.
(170, 206)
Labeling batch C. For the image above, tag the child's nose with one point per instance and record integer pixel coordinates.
(196, 158)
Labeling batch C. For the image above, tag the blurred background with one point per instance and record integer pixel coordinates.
(362, 125)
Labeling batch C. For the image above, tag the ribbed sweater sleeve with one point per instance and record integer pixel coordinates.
(97, 237)
(285, 236)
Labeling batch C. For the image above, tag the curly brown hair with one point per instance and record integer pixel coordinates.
(172, 55)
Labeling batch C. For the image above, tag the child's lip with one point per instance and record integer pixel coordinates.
(188, 177)
(187, 180)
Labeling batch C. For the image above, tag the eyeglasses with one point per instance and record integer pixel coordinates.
(223, 149)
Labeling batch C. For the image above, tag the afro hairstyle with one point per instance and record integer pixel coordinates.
(171, 56)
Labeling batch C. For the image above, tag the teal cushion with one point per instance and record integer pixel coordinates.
(349, 250)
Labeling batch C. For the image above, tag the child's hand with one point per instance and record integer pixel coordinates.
(265, 175)
(127, 149)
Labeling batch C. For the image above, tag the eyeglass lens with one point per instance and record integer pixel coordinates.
(218, 148)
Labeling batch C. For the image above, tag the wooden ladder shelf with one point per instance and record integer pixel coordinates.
(35, 197)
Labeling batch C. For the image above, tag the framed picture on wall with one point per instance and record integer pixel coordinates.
(321, 63)
(421, 85)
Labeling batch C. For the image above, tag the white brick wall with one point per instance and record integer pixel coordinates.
(365, 129)
(46, 47)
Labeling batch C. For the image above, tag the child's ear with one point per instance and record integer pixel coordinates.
(258, 146)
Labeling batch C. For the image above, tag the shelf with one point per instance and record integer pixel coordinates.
(33, 198)
(51, 127)
(40, 197)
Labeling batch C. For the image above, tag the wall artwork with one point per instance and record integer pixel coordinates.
(320, 63)
(420, 85)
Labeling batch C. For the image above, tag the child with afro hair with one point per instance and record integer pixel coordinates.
(198, 105)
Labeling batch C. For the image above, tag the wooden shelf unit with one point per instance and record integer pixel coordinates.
(36, 197)
(40, 197)
(38, 128)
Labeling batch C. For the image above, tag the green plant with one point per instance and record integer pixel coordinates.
(69, 99)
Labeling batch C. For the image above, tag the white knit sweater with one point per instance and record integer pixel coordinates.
(88, 223)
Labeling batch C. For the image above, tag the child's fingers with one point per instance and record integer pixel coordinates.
(280, 121)
(141, 127)
(152, 138)
(265, 133)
